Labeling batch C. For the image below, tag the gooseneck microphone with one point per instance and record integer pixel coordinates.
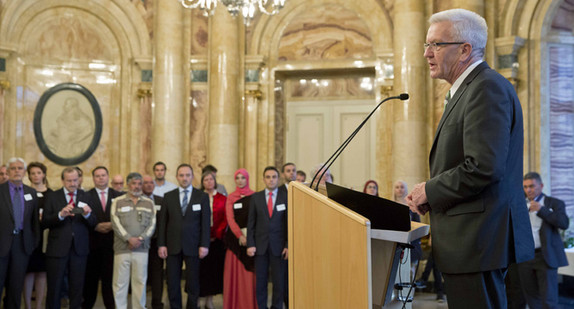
(335, 155)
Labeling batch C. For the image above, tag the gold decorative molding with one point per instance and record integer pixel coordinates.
(386, 90)
(254, 93)
(143, 93)
(4, 84)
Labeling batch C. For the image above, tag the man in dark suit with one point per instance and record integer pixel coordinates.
(68, 215)
(100, 265)
(477, 214)
(155, 263)
(19, 231)
(539, 277)
(184, 231)
(267, 238)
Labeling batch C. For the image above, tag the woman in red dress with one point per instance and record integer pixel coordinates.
(211, 267)
(239, 280)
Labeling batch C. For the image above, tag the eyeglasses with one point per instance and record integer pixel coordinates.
(436, 46)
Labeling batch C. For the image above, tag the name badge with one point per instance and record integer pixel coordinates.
(125, 209)
(237, 206)
(281, 207)
(196, 207)
(28, 197)
(40, 194)
(82, 204)
(157, 207)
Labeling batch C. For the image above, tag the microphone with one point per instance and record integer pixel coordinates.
(335, 155)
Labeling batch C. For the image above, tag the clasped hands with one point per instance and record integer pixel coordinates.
(417, 199)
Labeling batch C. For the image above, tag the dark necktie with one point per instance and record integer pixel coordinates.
(18, 211)
(185, 202)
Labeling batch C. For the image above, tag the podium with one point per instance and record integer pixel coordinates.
(335, 259)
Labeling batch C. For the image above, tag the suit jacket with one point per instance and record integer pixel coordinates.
(554, 217)
(101, 241)
(31, 227)
(184, 233)
(264, 232)
(157, 201)
(72, 233)
(475, 192)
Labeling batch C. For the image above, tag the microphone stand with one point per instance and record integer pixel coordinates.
(335, 155)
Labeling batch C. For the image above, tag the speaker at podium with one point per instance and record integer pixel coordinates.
(344, 248)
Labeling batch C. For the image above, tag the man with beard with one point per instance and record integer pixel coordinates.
(133, 220)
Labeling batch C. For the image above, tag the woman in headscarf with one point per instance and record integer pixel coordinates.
(238, 278)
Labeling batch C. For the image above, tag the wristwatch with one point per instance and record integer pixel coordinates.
(141, 238)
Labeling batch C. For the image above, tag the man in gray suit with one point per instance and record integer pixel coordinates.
(539, 277)
(474, 196)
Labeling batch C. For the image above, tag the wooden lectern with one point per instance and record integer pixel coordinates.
(335, 259)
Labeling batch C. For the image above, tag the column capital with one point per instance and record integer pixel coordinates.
(507, 49)
(4, 84)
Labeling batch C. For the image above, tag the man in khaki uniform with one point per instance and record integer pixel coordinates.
(133, 220)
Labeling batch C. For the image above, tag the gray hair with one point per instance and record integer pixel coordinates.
(467, 26)
(14, 160)
(134, 176)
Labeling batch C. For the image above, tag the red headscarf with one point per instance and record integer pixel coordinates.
(240, 192)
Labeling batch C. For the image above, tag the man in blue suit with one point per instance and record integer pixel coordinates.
(539, 277)
(477, 214)
(267, 238)
(19, 231)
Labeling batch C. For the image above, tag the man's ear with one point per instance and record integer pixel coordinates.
(466, 51)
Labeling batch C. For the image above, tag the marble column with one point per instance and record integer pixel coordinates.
(4, 84)
(410, 127)
(169, 107)
(224, 99)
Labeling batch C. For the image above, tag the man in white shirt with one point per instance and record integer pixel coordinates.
(539, 277)
(162, 186)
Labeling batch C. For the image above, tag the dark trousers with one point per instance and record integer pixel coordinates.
(56, 270)
(278, 273)
(514, 294)
(174, 265)
(539, 283)
(431, 266)
(479, 290)
(13, 266)
(100, 266)
(155, 275)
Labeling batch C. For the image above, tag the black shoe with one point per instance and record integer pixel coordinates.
(420, 284)
(440, 298)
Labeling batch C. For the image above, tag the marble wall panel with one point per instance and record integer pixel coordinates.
(562, 125)
(199, 33)
(339, 87)
(198, 132)
(68, 37)
(280, 123)
(145, 8)
(326, 32)
(564, 18)
(38, 80)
